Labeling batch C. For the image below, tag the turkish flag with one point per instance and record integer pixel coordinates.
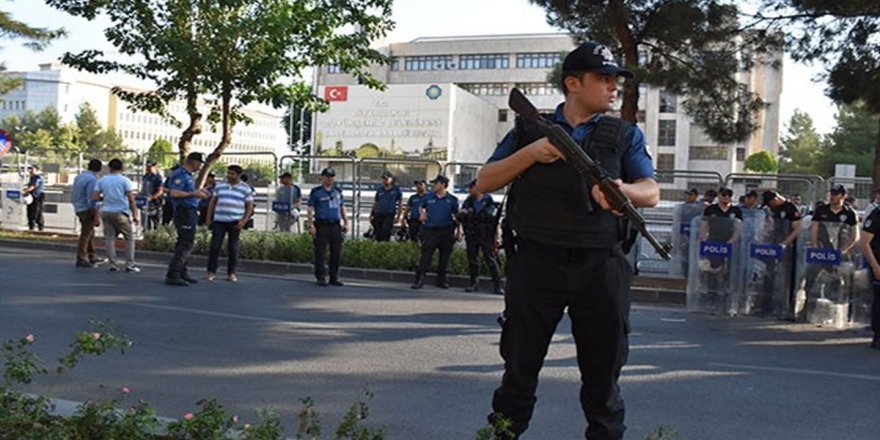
(336, 93)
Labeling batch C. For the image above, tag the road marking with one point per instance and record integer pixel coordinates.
(235, 316)
(798, 371)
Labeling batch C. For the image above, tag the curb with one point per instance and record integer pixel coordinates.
(648, 290)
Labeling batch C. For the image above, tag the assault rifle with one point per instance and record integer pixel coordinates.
(588, 168)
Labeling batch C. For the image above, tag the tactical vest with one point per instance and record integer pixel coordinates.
(481, 223)
(551, 203)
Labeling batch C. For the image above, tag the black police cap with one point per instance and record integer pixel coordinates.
(594, 57)
(195, 157)
(329, 171)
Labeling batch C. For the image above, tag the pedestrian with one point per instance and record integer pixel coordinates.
(168, 205)
(411, 212)
(152, 190)
(709, 197)
(244, 179)
(570, 246)
(209, 186)
(35, 189)
(386, 208)
(229, 210)
(118, 213)
(326, 210)
(87, 212)
(440, 231)
(185, 197)
(288, 198)
(871, 248)
(481, 233)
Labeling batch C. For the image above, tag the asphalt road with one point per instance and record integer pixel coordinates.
(430, 357)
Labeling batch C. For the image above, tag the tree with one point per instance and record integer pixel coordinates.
(853, 141)
(161, 151)
(801, 146)
(842, 35)
(691, 48)
(761, 162)
(235, 52)
(34, 38)
(89, 127)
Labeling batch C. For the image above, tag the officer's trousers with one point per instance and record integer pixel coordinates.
(478, 242)
(35, 212)
(383, 224)
(185, 218)
(441, 238)
(327, 234)
(594, 285)
(413, 228)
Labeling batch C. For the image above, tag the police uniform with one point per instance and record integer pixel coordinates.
(438, 233)
(872, 225)
(569, 256)
(722, 231)
(387, 203)
(784, 218)
(327, 204)
(35, 209)
(413, 224)
(150, 183)
(478, 219)
(824, 214)
(186, 217)
(287, 196)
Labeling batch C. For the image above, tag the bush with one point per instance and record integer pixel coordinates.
(299, 248)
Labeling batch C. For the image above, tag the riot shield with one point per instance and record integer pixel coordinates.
(767, 267)
(681, 227)
(714, 269)
(863, 296)
(826, 279)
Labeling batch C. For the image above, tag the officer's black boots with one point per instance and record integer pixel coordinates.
(420, 281)
(336, 282)
(441, 283)
(474, 286)
(176, 282)
(321, 282)
(497, 289)
(876, 343)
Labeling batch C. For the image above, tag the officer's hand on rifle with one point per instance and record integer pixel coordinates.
(599, 197)
(544, 152)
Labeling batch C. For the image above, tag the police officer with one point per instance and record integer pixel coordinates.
(168, 205)
(722, 223)
(325, 212)
(185, 198)
(34, 188)
(386, 208)
(480, 231)
(569, 252)
(412, 213)
(834, 212)
(871, 249)
(152, 190)
(289, 197)
(440, 230)
(785, 230)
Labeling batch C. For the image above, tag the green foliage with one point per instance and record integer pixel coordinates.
(299, 248)
(761, 162)
(34, 38)
(853, 141)
(663, 433)
(694, 48)
(800, 146)
(44, 133)
(89, 126)
(101, 339)
(162, 152)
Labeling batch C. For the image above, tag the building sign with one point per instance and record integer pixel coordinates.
(337, 93)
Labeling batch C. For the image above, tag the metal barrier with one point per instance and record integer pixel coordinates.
(461, 173)
(810, 187)
(859, 187)
(346, 177)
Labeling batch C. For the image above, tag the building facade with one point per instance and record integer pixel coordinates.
(66, 89)
(489, 66)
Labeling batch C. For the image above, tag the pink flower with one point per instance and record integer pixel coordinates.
(234, 419)
(30, 339)
(188, 416)
(126, 390)
(96, 336)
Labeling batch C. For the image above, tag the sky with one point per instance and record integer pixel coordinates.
(414, 18)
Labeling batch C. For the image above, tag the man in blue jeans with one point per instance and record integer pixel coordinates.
(228, 212)
(185, 197)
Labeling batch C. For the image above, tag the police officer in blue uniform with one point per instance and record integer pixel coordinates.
(412, 213)
(326, 210)
(480, 233)
(569, 250)
(386, 208)
(185, 197)
(34, 188)
(440, 230)
(152, 189)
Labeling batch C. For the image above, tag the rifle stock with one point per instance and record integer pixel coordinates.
(589, 169)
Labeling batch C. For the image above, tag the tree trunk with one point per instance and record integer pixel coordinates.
(875, 174)
(194, 127)
(226, 136)
(630, 107)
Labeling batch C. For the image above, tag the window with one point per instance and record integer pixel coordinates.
(431, 62)
(484, 61)
(502, 115)
(486, 89)
(707, 153)
(668, 102)
(537, 60)
(334, 68)
(543, 89)
(665, 161)
(395, 63)
(740, 154)
(666, 133)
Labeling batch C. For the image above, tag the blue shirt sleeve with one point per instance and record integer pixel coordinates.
(297, 193)
(637, 162)
(313, 198)
(398, 195)
(504, 149)
(90, 188)
(454, 205)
